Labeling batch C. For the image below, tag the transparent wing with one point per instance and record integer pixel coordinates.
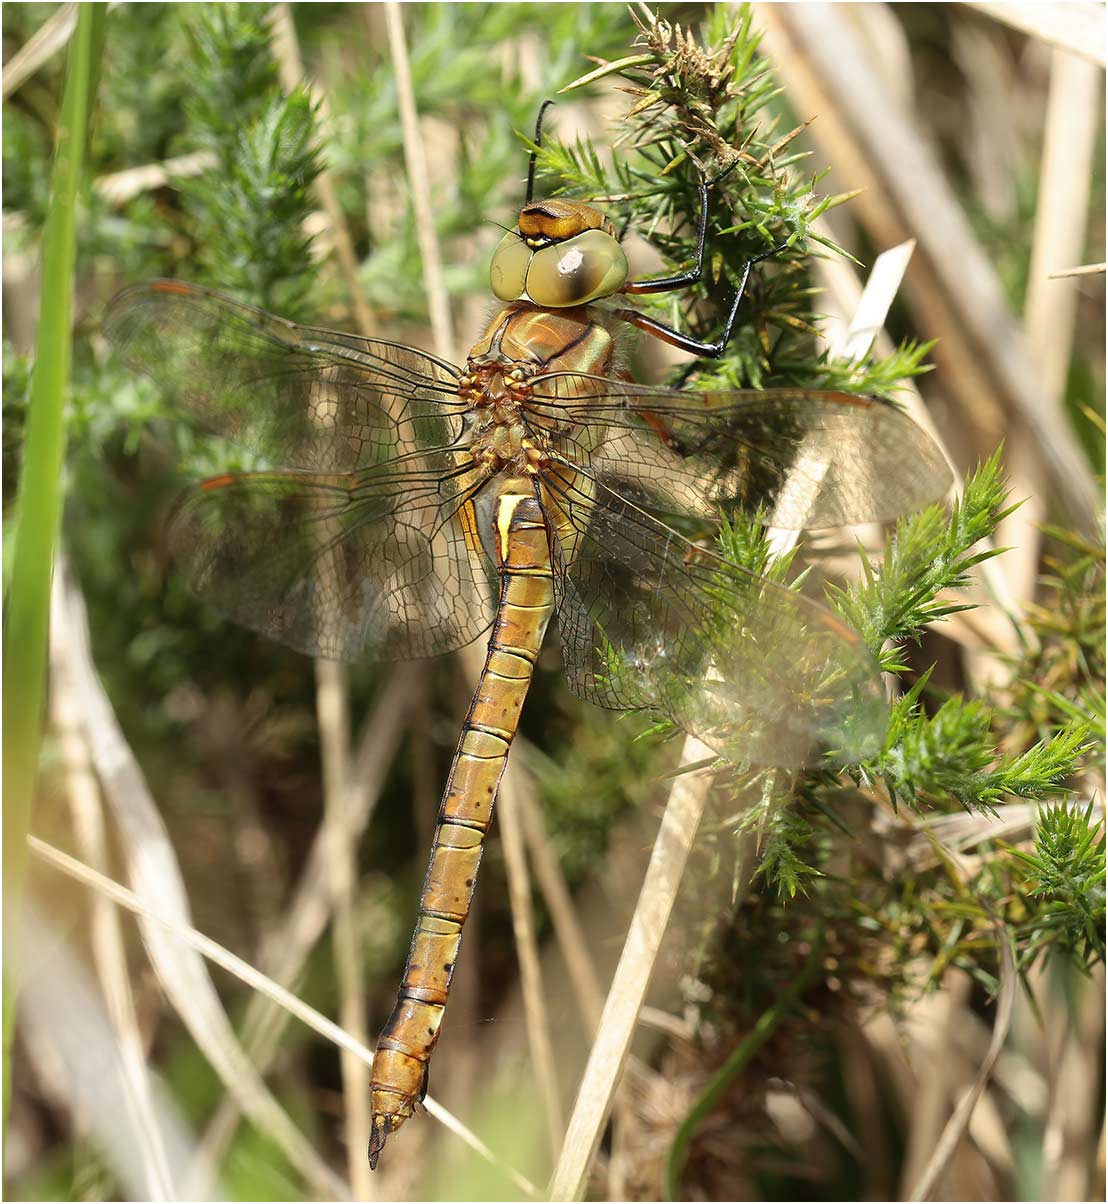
(649, 620)
(817, 459)
(348, 566)
(295, 396)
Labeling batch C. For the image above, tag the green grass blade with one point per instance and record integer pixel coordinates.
(735, 1063)
(39, 504)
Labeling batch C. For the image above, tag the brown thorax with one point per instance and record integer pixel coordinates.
(497, 390)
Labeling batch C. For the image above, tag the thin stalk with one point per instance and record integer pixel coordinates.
(257, 981)
(40, 495)
(527, 950)
(415, 162)
(676, 833)
(568, 930)
(49, 38)
(1050, 309)
(106, 932)
(737, 1061)
(333, 710)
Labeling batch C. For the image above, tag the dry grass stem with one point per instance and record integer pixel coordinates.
(1073, 116)
(962, 831)
(662, 1022)
(680, 821)
(1073, 26)
(333, 711)
(1069, 1138)
(48, 39)
(875, 145)
(925, 1092)
(1088, 269)
(1050, 307)
(510, 807)
(929, 1028)
(568, 931)
(959, 1120)
(415, 161)
(213, 951)
(108, 949)
(872, 307)
(122, 186)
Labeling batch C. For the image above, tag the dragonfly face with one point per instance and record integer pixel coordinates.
(409, 506)
(562, 253)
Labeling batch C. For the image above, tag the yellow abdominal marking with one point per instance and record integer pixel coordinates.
(504, 512)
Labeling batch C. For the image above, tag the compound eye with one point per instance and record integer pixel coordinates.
(590, 265)
(508, 270)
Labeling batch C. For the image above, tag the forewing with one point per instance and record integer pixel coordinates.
(651, 621)
(354, 566)
(293, 396)
(815, 459)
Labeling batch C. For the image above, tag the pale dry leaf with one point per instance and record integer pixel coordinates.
(62, 1014)
(155, 874)
(205, 946)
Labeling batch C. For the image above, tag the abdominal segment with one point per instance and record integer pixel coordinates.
(526, 603)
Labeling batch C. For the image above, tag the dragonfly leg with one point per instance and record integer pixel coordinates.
(665, 284)
(685, 341)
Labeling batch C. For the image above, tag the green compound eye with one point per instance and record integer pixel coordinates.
(508, 270)
(574, 272)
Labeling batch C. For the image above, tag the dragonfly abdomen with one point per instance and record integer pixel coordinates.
(526, 604)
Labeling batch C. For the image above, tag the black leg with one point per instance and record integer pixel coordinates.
(663, 284)
(686, 342)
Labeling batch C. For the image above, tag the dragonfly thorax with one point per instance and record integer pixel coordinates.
(496, 388)
(524, 350)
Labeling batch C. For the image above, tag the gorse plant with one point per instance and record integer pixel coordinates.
(249, 208)
(1064, 876)
(697, 110)
(713, 112)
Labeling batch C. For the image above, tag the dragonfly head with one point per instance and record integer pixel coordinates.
(562, 253)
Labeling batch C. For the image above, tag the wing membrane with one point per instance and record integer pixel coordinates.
(354, 566)
(818, 459)
(649, 620)
(297, 396)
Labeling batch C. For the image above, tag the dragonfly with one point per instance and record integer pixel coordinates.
(399, 506)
